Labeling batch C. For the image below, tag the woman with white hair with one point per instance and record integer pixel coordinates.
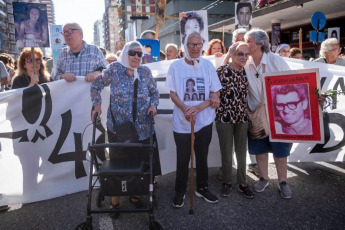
(123, 77)
(283, 50)
(171, 51)
(263, 61)
(329, 52)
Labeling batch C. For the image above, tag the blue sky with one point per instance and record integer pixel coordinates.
(84, 12)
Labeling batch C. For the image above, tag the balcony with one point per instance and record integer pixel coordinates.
(2, 3)
(2, 24)
(2, 14)
(4, 36)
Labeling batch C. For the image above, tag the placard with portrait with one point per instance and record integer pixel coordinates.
(194, 21)
(292, 106)
(31, 24)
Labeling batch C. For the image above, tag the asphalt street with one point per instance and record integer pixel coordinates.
(318, 202)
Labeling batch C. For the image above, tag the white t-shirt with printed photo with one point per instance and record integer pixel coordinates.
(193, 86)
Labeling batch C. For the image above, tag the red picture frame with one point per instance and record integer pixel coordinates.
(292, 106)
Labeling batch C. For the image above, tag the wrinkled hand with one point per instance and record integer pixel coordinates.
(214, 100)
(92, 76)
(69, 77)
(190, 113)
(153, 110)
(97, 109)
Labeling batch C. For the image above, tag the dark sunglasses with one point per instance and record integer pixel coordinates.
(133, 53)
(29, 60)
(241, 54)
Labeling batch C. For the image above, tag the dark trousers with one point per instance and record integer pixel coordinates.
(201, 143)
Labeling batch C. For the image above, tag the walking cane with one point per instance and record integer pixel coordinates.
(191, 211)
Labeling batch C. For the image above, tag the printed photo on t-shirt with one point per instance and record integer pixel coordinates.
(195, 89)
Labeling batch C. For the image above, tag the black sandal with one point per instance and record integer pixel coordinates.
(137, 202)
(115, 215)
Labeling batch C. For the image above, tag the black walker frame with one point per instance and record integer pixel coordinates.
(109, 168)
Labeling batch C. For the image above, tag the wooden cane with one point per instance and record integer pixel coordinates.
(191, 211)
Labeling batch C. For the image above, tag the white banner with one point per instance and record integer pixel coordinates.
(44, 135)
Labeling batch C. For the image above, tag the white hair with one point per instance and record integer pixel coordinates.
(327, 45)
(237, 32)
(260, 37)
(171, 44)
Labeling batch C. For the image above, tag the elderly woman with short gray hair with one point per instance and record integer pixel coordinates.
(263, 61)
(171, 51)
(329, 52)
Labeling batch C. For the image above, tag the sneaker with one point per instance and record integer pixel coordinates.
(285, 191)
(246, 191)
(226, 189)
(261, 185)
(253, 168)
(207, 195)
(178, 200)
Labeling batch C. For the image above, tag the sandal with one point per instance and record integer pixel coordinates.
(4, 208)
(115, 215)
(137, 202)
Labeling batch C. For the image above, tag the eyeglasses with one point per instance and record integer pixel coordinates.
(37, 60)
(241, 54)
(133, 53)
(291, 105)
(192, 45)
(69, 31)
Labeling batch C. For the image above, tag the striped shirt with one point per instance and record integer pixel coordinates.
(89, 59)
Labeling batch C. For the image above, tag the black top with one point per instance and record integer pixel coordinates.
(24, 81)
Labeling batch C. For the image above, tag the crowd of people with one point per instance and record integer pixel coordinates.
(201, 92)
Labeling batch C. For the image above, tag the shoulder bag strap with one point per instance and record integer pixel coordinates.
(135, 100)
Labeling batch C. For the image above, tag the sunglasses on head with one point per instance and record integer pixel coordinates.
(133, 53)
(29, 60)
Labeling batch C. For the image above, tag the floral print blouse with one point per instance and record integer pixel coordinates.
(121, 96)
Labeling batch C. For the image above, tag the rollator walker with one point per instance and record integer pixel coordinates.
(124, 177)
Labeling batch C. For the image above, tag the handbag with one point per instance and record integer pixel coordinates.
(126, 132)
(258, 123)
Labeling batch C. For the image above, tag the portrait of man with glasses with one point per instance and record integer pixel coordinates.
(291, 109)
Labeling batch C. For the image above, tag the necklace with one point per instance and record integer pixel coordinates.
(257, 72)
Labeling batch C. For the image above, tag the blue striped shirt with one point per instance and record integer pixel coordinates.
(89, 60)
(121, 99)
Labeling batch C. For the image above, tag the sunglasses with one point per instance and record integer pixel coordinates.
(37, 60)
(133, 53)
(241, 54)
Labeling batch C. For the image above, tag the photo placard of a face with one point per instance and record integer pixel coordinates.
(151, 50)
(292, 107)
(194, 21)
(334, 32)
(243, 15)
(31, 24)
